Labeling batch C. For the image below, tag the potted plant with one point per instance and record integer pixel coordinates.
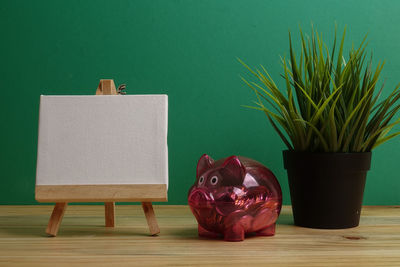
(330, 116)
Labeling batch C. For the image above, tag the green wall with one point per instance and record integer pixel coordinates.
(186, 49)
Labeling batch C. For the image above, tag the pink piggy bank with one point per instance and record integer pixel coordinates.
(234, 196)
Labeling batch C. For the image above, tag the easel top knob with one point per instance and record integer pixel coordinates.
(106, 87)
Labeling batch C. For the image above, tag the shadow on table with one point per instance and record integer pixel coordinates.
(192, 233)
(23, 226)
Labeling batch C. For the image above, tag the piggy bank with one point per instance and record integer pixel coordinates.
(234, 196)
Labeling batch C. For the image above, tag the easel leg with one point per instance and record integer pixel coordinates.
(151, 218)
(110, 214)
(56, 218)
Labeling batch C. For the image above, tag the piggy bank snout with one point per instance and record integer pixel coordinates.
(200, 198)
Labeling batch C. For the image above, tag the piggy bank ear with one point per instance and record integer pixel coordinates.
(233, 168)
(205, 163)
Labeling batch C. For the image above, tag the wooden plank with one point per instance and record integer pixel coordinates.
(376, 242)
(101, 193)
(107, 87)
(56, 218)
(151, 218)
(109, 208)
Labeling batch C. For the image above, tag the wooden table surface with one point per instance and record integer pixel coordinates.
(83, 239)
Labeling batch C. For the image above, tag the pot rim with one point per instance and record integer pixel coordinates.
(324, 153)
(352, 161)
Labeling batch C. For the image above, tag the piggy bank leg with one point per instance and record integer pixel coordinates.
(205, 233)
(234, 233)
(268, 231)
(237, 223)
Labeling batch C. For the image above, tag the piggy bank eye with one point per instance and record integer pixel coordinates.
(201, 180)
(214, 180)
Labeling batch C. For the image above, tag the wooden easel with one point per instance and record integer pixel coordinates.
(106, 87)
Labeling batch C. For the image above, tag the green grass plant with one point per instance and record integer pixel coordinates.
(329, 103)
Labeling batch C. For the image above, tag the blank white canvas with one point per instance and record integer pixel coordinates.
(90, 140)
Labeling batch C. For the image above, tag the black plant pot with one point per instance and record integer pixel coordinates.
(326, 189)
